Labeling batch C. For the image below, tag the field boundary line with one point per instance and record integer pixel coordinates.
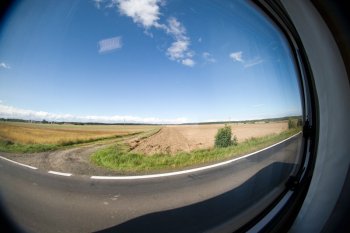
(21, 164)
(59, 173)
(189, 170)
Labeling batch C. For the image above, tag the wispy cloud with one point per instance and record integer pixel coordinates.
(176, 29)
(208, 57)
(4, 65)
(179, 49)
(188, 62)
(237, 56)
(97, 3)
(253, 62)
(109, 44)
(12, 112)
(146, 13)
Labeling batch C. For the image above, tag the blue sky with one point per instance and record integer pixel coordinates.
(144, 61)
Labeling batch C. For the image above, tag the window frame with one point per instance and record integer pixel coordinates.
(281, 213)
(286, 207)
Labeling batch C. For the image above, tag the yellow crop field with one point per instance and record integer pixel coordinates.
(33, 133)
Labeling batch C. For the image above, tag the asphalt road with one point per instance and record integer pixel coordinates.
(41, 202)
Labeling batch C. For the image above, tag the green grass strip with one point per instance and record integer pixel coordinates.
(10, 147)
(118, 158)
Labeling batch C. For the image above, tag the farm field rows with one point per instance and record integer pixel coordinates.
(185, 138)
(34, 137)
(186, 146)
(131, 149)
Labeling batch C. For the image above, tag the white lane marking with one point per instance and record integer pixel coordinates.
(60, 173)
(21, 164)
(186, 171)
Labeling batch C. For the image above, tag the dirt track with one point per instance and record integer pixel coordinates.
(74, 160)
(172, 139)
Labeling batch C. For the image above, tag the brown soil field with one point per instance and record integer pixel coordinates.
(176, 138)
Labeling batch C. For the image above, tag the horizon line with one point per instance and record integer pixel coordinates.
(142, 123)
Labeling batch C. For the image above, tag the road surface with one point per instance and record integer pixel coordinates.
(38, 201)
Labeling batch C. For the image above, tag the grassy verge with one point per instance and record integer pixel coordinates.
(13, 147)
(119, 158)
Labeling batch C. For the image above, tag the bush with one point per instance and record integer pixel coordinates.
(223, 137)
(234, 140)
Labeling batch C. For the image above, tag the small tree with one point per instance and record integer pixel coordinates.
(223, 137)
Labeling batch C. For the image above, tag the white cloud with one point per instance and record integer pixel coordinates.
(188, 62)
(177, 49)
(12, 112)
(4, 65)
(253, 62)
(107, 45)
(237, 56)
(208, 57)
(144, 12)
(176, 29)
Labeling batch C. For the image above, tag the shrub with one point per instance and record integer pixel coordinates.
(223, 137)
(234, 140)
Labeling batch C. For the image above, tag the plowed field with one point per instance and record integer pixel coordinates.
(172, 139)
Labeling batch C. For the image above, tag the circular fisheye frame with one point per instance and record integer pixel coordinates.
(159, 116)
